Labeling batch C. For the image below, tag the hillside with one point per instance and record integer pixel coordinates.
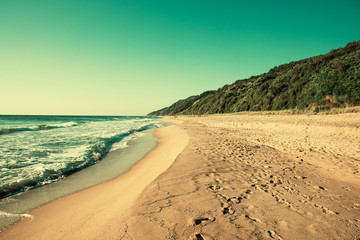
(320, 82)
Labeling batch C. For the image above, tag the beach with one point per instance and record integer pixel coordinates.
(222, 177)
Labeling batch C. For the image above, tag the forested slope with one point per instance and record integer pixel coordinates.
(325, 81)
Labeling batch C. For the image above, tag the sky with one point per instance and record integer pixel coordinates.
(131, 57)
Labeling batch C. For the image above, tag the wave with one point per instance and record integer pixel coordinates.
(63, 125)
(40, 127)
(95, 154)
(98, 151)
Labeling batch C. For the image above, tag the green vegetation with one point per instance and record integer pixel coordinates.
(317, 83)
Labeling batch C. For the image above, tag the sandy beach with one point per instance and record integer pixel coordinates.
(257, 177)
(239, 177)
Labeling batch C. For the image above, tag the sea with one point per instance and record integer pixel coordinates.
(38, 150)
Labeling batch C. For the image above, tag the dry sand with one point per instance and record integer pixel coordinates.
(257, 177)
(240, 177)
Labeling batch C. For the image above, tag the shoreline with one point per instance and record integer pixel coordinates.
(13, 208)
(239, 177)
(99, 205)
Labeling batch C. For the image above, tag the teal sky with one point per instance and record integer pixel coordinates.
(131, 57)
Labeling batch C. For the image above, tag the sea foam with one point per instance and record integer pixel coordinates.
(39, 150)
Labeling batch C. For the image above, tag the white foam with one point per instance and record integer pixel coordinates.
(67, 124)
(124, 142)
(29, 154)
(21, 215)
(72, 153)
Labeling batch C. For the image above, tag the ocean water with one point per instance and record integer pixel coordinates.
(37, 150)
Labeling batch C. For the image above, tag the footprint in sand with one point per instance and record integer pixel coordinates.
(215, 187)
(235, 200)
(253, 219)
(197, 221)
(228, 210)
(274, 235)
(199, 236)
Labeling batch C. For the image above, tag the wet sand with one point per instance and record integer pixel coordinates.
(239, 177)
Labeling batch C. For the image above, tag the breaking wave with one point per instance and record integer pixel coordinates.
(42, 174)
(8, 130)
